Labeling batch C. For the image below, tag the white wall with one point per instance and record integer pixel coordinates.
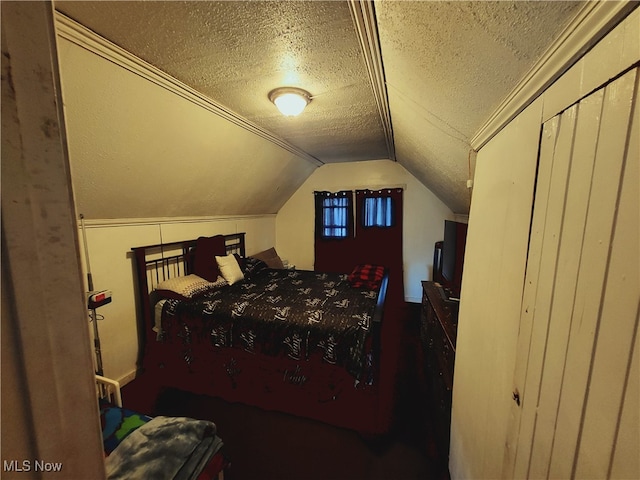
(111, 261)
(578, 414)
(495, 261)
(424, 216)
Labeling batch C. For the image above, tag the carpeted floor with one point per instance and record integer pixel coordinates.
(271, 445)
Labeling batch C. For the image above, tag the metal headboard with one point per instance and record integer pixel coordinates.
(156, 263)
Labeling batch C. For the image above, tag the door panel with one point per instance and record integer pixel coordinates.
(616, 324)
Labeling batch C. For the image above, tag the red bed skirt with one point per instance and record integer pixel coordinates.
(308, 388)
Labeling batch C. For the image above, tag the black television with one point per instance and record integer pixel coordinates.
(449, 258)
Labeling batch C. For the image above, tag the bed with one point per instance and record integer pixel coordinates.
(139, 446)
(219, 323)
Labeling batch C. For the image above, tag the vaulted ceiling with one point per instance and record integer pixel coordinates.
(401, 80)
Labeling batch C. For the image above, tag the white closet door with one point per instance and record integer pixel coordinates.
(576, 372)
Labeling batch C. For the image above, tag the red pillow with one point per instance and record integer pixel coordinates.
(366, 276)
(204, 262)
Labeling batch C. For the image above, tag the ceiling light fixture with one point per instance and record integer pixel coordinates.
(291, 101)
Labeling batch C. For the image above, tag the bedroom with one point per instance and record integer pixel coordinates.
(262, 231)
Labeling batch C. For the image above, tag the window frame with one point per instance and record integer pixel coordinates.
(331, 213)
(331, 202)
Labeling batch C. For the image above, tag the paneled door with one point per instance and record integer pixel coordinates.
(575, 409)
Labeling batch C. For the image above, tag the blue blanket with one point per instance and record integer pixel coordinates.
(117, 424)
(165, 448)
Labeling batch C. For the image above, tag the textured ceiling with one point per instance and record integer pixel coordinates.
(447, 66)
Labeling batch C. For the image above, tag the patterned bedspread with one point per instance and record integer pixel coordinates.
(295, 313)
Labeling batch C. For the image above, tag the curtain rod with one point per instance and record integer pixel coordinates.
(402, 186)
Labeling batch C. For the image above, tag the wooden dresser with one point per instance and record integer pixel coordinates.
(438, 328)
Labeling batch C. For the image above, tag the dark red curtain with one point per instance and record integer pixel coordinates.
(332, 254)
(379, 245)
(382, 245)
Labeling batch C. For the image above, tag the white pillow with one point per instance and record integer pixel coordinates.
(230, 269)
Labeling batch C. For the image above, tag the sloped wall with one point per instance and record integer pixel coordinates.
(142, 145)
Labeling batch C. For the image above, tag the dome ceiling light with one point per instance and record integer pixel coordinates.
(291, 101)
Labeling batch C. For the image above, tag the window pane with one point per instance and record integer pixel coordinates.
(378, 212)
(334, 217)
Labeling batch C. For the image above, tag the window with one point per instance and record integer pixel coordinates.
(334, 216)
(377, 240)
(377, 212)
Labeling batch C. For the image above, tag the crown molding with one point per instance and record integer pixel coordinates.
(128, 222)
(83, 37)
(364, 19)
(590, 25)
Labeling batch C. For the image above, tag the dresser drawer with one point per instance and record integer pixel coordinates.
(437, 335)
